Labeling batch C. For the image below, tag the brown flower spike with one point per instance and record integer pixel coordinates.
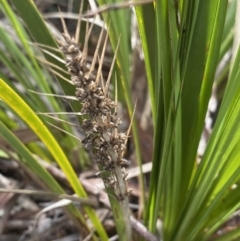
(100, 122)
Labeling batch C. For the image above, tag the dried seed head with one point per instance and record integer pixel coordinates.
(101, 122)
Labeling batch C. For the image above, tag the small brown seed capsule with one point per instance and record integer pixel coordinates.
(81, 94)
(93, 86)
(87, 125)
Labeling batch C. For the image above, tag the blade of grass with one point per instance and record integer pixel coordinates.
(227, 38)
(232, 235)
(219, 160)
(198, 77)
(146, 25)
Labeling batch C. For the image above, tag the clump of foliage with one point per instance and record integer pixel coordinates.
(183, 43)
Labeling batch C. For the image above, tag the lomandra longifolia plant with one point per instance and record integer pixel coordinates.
(99, 118)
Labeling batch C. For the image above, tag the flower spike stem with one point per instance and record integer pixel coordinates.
(100, 125)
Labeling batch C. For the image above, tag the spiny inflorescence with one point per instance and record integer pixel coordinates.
(100, 122)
